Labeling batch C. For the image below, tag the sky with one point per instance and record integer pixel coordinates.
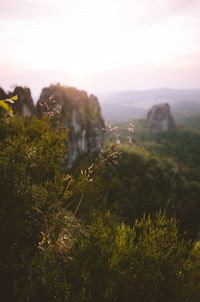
(101, 45)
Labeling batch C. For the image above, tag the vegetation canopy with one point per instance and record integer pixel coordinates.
(121, 228)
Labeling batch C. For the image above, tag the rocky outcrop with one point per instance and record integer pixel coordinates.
(159, 118)
(24, 105)
(3, 95)
(78, 112)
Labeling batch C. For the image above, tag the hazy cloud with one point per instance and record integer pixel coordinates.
(179, 6)
(131, 11)
(31, 9)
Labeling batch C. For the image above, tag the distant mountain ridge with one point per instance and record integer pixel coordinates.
(126, 105)
(116, 106)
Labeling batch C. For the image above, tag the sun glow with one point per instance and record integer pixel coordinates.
(85, 37)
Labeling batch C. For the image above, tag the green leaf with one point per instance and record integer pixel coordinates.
(6, 107)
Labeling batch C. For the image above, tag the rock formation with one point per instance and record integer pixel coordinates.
(24, 105)
(3, 95)
(78, 112)
(159, 118)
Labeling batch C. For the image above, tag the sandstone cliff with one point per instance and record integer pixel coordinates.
(159, 118)
(24, 105)
(78, 112)
(3, 95)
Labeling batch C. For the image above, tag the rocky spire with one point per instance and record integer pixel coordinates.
(159, 118)
(78, 112)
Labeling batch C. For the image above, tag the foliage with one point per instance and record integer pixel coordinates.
(84, 236)
(4, 105)
(190, 120)
(182, 143)
(159, 170)
(146, 262)
(49, 273)
(139, 183)
(31, 152)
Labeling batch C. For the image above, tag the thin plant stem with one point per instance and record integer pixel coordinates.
(82, 194)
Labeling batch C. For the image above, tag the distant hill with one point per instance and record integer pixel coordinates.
(126, 105)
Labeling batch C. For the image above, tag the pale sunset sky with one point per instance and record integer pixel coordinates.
(100, 45)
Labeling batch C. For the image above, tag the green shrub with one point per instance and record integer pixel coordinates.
(145, 262)
(31, 153)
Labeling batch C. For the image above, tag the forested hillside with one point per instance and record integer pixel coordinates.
(161, 170)
(190, 120)
(122, 227)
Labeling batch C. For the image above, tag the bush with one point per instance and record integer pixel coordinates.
(31, 152)
(145, 262)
